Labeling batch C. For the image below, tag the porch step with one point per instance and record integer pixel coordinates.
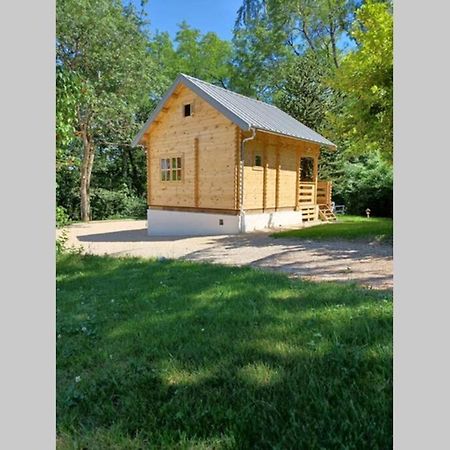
(326, 214)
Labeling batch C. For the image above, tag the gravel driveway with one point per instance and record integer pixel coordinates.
(369, 264)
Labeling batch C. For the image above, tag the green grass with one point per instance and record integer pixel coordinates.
(181, 355)
(347, 227)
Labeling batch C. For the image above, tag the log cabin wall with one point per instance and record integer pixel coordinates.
(273, 186)
(206, 143)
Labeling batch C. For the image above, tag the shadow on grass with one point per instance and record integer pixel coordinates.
(181, 355)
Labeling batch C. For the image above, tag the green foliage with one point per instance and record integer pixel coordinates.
(346, 227)
(270, 32)
(104, 47)
(365, 76)
(202, 56)
(302, 92)
(62, 218)
(108, 204)
(173, 354)
(365, 182)
(61, 242)
(67, 96)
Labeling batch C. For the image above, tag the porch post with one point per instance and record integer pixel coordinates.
(316, 176)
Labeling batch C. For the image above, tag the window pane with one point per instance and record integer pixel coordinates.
(178, 175)
(174, 163)
(174, 175)
(179, 163)
(258, 160)
(163, 164)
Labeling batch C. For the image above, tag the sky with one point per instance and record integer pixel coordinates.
(206, 15)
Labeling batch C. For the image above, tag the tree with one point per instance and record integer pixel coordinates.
(202, 56)
(303, 92)
(268, 33)
(360, 182)
(102, 44)
(365, 77)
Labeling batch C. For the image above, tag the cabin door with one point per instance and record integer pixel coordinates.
(307, 186)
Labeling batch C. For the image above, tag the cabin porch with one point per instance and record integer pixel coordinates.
(314, 201)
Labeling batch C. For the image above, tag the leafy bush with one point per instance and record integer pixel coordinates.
(359, 182)
(61, 242)
(367, 183)
(107, 204)
(62, 218)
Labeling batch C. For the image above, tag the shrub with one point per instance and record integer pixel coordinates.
(62, 218)
(107, 204)
(360, 182)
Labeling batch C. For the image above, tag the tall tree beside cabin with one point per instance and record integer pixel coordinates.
(103, 44)
(269, 34)
(365, 78)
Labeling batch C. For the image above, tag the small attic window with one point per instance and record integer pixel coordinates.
(187, 110)
(258, 160)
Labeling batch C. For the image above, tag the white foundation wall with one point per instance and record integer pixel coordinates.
(186, 223)
(277, 219)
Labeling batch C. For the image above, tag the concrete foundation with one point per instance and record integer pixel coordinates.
(187, 223)
(277, 219)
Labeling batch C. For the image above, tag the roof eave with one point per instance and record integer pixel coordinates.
(328, 144)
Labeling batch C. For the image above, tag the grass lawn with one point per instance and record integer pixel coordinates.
(172, 354)
(347, 227)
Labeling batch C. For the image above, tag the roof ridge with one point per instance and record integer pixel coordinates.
(230, 91)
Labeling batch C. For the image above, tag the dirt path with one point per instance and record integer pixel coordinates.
(369, 264)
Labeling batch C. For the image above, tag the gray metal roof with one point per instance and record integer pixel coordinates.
(245, 112)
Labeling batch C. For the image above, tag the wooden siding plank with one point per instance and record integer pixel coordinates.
(297, 179)
(266, 168)
(237, 167)
(277, 179)
(197, 178)
(148, 160)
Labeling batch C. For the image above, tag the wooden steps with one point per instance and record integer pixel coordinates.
(309, 213)
(326, 214)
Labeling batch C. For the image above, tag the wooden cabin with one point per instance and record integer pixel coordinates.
(222, 163)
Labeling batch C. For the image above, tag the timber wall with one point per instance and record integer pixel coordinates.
(206, 143)
(274, 186)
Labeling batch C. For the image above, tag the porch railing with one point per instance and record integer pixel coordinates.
(307, 193)
(324, 193)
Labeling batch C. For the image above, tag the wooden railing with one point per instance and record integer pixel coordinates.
(307, 193)
(324, 193)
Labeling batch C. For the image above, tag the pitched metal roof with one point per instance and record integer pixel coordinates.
(245, 112)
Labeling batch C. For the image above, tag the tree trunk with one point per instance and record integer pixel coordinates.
(333, 44)
(86, 171)
(134, 178)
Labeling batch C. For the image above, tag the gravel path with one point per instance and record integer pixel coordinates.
(369, 264)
